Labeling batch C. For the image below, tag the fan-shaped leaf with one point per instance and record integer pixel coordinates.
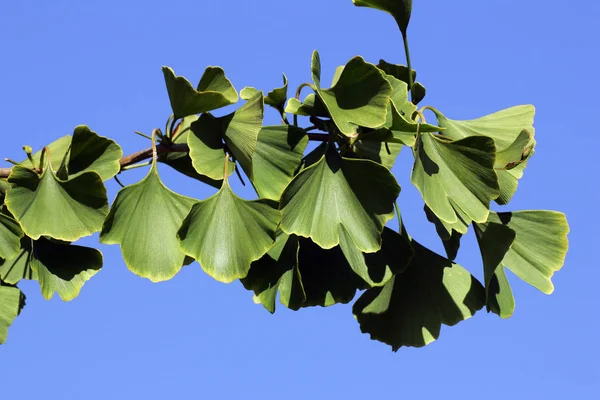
(63, 209)
(225, 234)
(18, 267)
(337, 192)
(213, 91)
(12, 301)
(277, 156)
(10, 237)
(277, 271)
(455, 175)
(399, 9)
(411, 308)
(512, 131)
(144, 220)
(84, 151)
(206, 147)
(359, 98)
(539, 248)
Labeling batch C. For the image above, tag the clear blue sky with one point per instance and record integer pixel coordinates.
(98, 63)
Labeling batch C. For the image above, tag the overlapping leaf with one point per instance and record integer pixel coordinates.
(360, 96)
(411, 308)
(277, 156)
(144, 220)
(277, 271)
(336, 192)
(512, 131)
(12, 301)
(276, 98)
(454, 175)
(225, 233)
(59, 267)
(84, 151)
(238, 131)
(532, 244)
(46, 205)
(213, 91)
(10, 236)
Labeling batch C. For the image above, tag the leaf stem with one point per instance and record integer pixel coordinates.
(134, 166)
(142, 135)
(408, 64)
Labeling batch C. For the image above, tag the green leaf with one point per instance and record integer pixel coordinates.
(399, 9)
(213, 91)
(63, 209)
(337, 192)
(276, 158)
(411, 308)
(144, 220)
(12, 301)
(207, 150)
(397, 71)
(376, 269)
(84, 151)
(399, 98)
(276, 98)
(454, 175)
(513, 145)
(539, 248)
(225, 234)
(59, 267)
(181, 161)
(450, 233)
(312, 106)
(327, 278)
(277, 271)
(494, 242)
(238, 131)
(10, 237)
(379, 146)
(359, 98)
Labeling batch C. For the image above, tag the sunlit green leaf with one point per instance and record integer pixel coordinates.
(85, 151)
(312, 106)
(225, 234)
(144, 220)
(507, 128)
(63, 209)
(411, 308)
(10, 237)
(276, 158)
(12, 301)
(277, 271)
(213, 91)
(337, 192)
(277, 97)
(207, 150)
(455, 175)
(378, 145)
(359, 98)
(539, 248)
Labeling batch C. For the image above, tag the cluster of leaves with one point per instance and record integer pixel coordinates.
(317, 234)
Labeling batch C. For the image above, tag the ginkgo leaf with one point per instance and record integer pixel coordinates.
(376, 269)
(399, 98)
(181, 161)
(277, 271)
(452, 174)
(225, 233)
(144, 220)
(399, 9)
(411, 308)
(277, 97)
(238, 131)
(494, 242)
(450, 233)
(12, 301)
(213, 91)
(59, 267)
(399, 72)
(84, 151)
(206, 147)
(378, 145)
(510, 130)
(277, 156)
(10, 236)
(311, 106)
(539, 247)
(63, 209)
(360, 97)
(337, 192)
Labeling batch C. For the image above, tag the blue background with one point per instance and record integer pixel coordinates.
(98, 63)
